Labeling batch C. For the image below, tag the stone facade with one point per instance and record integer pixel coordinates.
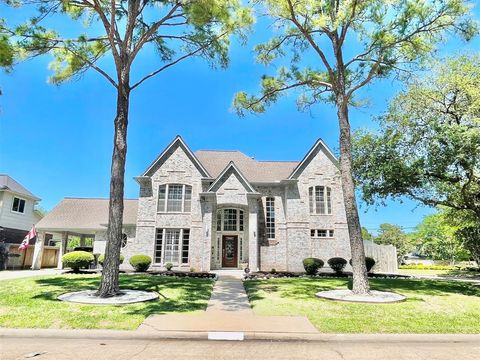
(228, 207)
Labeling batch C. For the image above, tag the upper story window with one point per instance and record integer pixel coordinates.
(320, 200)
(18, 205)
(270, 217)
(230, 220)
(174, 198)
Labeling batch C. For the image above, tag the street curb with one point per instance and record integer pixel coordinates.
(203, 335)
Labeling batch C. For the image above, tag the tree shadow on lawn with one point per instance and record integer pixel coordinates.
(305, 289)
(193, 294)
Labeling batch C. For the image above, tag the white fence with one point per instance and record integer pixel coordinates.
(385, 257)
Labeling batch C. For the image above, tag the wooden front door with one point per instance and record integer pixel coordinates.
(230, 251)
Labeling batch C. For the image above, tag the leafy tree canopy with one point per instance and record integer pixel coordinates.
(391, 37)
(177, 29)
(435, 237)
(428, 146)
(390, 234)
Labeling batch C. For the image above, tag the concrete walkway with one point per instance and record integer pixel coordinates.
(229, 311)
(18, 274)
(229, 295)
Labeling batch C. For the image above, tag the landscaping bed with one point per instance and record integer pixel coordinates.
(431, 306)
(32, 302)
(345, 274)
(184, 274)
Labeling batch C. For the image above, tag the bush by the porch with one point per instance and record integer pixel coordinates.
(369, 263)
(312, 265)
(140, 263)
(337, 264)
(101, 259)
(77, 260)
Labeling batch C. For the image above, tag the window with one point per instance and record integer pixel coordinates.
(320, 200)
(174, 198)
(172, 246)
(185, 243)
(18, 205)
(270, 217)
(230, 220)
(321, 233)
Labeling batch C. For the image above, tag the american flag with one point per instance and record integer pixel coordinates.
(31, 234)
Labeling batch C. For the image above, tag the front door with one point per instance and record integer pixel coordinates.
(230, 251)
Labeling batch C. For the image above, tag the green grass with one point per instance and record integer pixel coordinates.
(32, 302)
(431, 306)
(429, 272)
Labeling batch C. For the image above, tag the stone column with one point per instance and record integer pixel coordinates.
(253, 234)
(62, 249)
(207, 237)
(38, 251)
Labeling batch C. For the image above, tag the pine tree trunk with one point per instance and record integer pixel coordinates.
(360, 277)
(109, 283)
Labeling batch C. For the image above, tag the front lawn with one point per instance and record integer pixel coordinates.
(431, 306)
(32, 302)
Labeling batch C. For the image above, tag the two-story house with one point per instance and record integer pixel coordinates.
(17, 210)
(222, 209)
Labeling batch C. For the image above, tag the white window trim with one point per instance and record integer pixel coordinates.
(180, 247)
(24, 206)
(222, 221)
(314, 208)
(274, 217)
(165, 205)
(316, 237)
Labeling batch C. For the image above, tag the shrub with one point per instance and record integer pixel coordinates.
(77, 260)
(140, 263)
(312, 265)
(169, 266)
(369, 263)
(192, 269)
(101, 259)
(273, 271)
(337, 264)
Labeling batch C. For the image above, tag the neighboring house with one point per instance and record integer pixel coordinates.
(17, 210)
(222, 209)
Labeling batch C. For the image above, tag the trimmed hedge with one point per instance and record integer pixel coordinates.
(101, 259)
(429, 267)
(369, 263)
(312, 265)
(77, 260)
(168, 266)
(140, 263)
(337, 264)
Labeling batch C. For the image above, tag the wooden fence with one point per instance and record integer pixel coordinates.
(384, 255)
(23, 259)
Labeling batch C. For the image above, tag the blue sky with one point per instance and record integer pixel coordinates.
(57, 140)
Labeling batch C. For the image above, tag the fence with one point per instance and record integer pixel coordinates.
(384, 255)
(19, 259)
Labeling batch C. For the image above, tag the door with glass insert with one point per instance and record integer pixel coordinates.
(230, 251)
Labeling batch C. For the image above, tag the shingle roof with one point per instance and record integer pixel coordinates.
(8, 183)
(255, 171)
(85, 214)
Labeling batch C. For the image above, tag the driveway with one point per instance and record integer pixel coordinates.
(18, 274)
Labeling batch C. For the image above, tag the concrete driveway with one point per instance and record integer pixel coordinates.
(18, 274)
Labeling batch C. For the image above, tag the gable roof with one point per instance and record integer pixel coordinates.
(9, 184)
(178, 141)
(253, 170)
(85, 214)
(231, 168)
(315, 149)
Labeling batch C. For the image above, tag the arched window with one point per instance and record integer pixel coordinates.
(320, 200)
(230, 220)
(174, 198)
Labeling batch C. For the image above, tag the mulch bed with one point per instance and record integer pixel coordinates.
(204, 275)
(346, 274)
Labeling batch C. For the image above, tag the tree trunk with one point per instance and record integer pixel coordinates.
(360, 277)
(109, 282)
